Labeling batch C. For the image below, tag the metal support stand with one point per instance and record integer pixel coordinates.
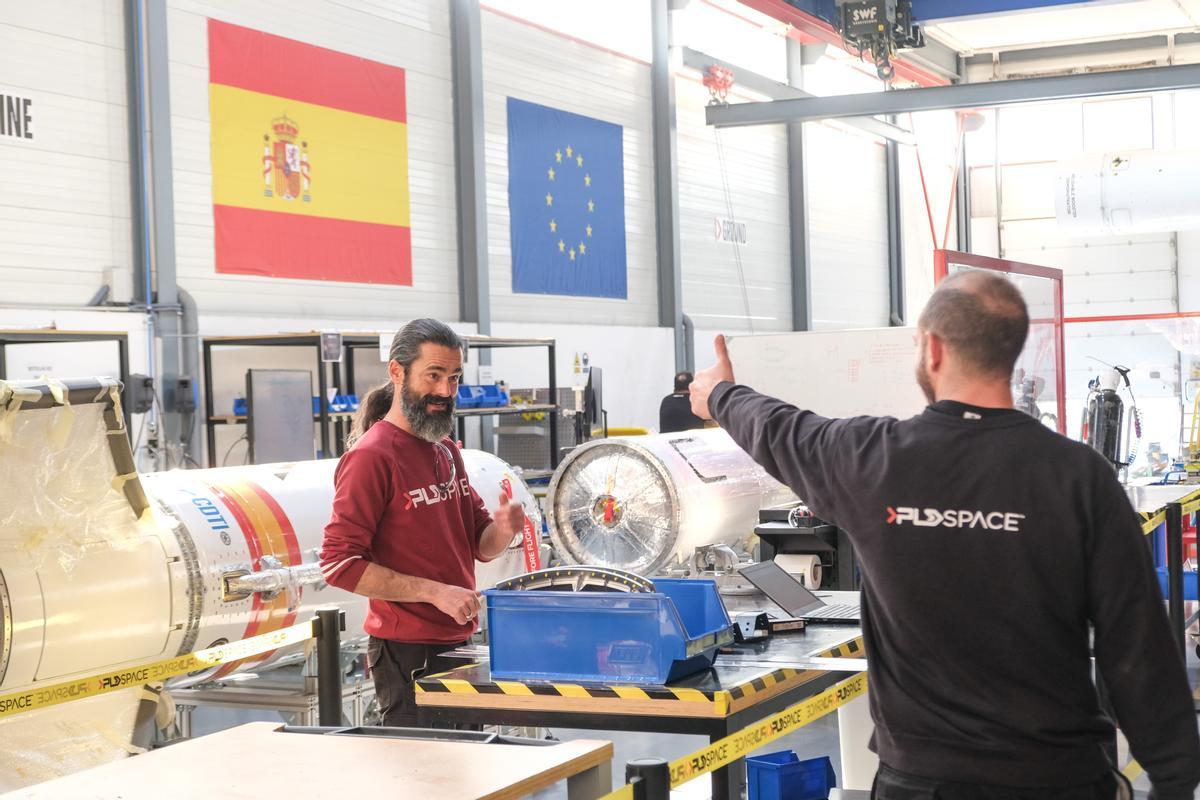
(330, 624)
(1174, 513)
(651, 778)
(553, 380)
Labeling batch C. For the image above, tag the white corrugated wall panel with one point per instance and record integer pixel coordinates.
(406, 33)
(847, 227)
(1132, 274)
(745, 179)
(65, 209)
(528, 63)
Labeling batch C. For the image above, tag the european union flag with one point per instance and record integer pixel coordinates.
(566, 202)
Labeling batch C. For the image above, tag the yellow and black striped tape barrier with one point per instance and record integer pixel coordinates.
(445, 684)
(724, 752)
(28, 699)
(722, 699)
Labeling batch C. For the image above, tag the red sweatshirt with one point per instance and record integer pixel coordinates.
(388, 508)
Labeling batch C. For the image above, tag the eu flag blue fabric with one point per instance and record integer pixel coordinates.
(566, 202)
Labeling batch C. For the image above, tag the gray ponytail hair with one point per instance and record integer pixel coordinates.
(405, 349)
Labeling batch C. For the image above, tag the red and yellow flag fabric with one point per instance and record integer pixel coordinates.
(309, 161)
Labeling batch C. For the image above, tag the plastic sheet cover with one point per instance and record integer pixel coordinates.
(59, 491)
(59, 496)
(1183, 334)
(48, 743)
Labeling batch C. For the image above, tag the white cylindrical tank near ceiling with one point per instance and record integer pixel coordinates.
(1135, 191)
(642, 503)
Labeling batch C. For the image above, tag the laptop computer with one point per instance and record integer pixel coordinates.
(790, 595)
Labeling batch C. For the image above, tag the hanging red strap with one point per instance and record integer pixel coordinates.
(962, 129)
(962, 122)
(924, 187)
(529, 539)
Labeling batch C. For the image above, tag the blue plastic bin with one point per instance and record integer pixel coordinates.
(1189, 584)
(608, 637)
(469, 396)
(783, 776)
(343, 403)
(493, 396)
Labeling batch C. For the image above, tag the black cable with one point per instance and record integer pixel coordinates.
(162, 414)
(225, 459)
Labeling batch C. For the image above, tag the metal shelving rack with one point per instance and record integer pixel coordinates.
(34, 336)
(488, 342)
(350, 343)
(341, 420)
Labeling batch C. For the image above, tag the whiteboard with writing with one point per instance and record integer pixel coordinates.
(834, 373)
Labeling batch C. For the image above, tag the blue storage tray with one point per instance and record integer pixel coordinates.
(1189, 584)
(493, 396)
(783, 776)
(469, 396)
(608, 637)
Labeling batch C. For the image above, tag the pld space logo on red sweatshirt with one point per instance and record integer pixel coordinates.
(435, 493)
(963, 518)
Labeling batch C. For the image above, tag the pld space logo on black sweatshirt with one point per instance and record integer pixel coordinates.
(934, 518)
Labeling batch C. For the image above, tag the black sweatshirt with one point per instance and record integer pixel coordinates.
(988, 544)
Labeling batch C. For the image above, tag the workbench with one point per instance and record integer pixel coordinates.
(748, 683)
(260, 760)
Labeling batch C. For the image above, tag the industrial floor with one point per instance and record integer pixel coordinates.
(819, 738)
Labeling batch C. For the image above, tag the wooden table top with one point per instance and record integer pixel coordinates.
(257, 760)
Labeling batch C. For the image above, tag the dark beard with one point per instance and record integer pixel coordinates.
(430, 426)
(923, 376)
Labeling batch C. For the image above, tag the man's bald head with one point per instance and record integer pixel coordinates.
(982, 318)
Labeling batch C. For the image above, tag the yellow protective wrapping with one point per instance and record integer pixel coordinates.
(61, 495)
(59, 490)
(60, 740)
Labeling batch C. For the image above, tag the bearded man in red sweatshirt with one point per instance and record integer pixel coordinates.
(407, 527)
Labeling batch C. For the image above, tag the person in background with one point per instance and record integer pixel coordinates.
(675, 411)
(407, 526)
(997, 556)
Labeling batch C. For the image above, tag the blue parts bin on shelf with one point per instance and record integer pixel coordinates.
(783, 776)
(610, 637)
(493, 397)
(486, 396)
(469, 396)
(340, 403)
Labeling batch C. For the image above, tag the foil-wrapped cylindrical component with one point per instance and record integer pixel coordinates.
(640, 503)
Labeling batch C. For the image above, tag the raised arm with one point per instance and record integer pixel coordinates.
(796, 447)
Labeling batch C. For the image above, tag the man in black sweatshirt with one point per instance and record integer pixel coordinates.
(989, 546)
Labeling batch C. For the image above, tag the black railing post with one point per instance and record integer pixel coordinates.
(651, 778)
(1175, 575)
(330, 623)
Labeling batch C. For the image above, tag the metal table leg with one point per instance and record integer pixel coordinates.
(727, 782)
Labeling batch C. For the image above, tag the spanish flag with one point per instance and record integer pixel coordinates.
(309, 161)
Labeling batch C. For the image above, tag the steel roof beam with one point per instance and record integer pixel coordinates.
(963, 95)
